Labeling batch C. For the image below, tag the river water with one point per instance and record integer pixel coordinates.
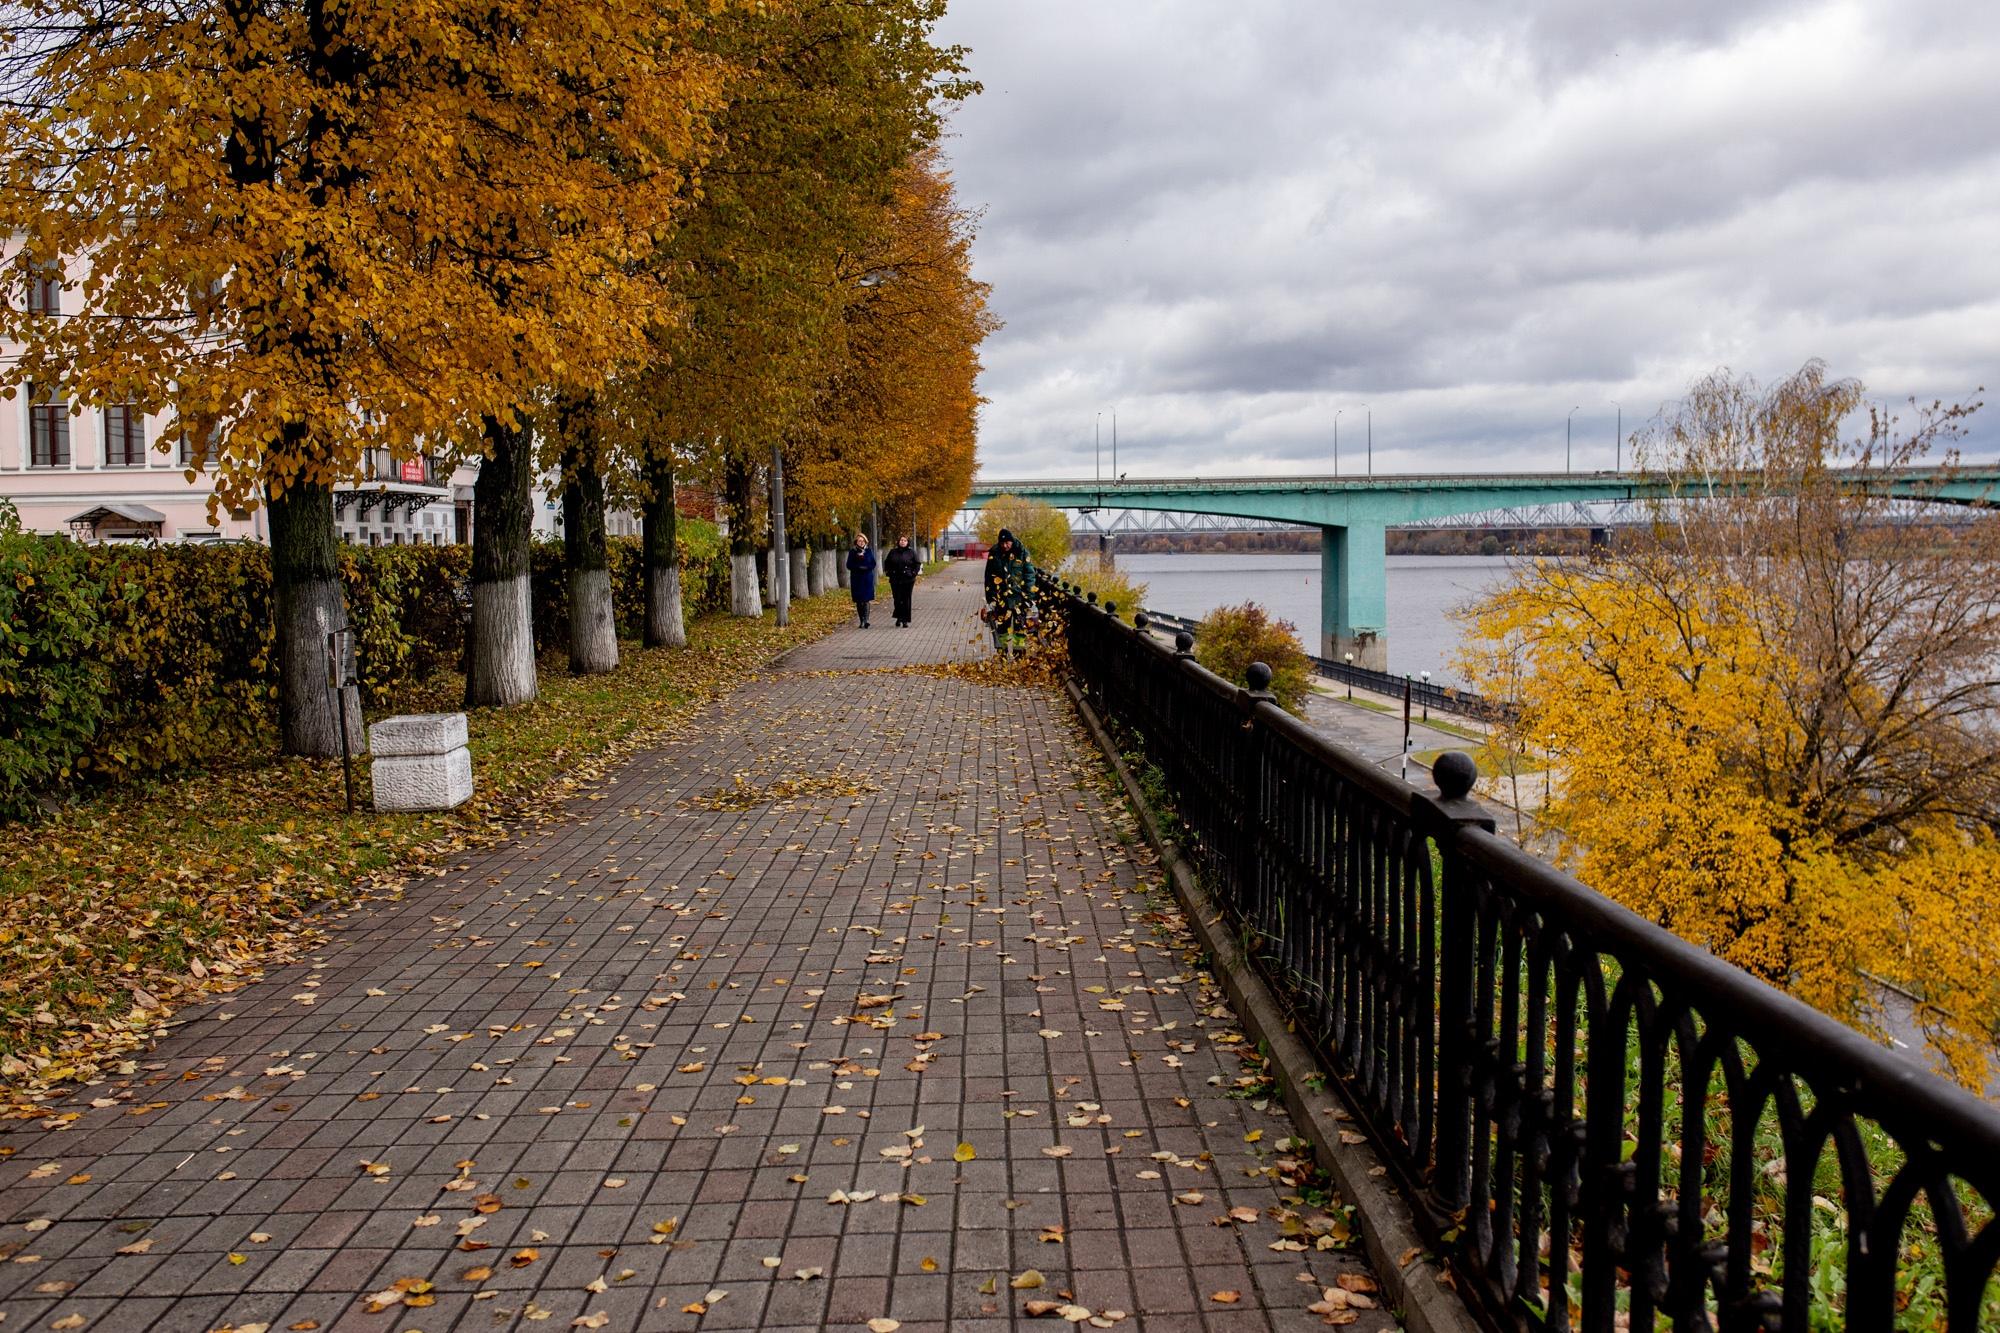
(1423, 589)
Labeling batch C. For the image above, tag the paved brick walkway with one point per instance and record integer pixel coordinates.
(703, 1055)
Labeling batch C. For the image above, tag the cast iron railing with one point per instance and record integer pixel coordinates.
(1599, 1125)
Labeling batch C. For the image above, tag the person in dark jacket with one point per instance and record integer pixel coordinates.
(1010, 586)
(861, 575)
(901, 565)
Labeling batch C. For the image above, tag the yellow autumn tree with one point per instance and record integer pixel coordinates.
(302, 226)
(1772, 710)
(1039, 526)
(828, 103)
(899, 415)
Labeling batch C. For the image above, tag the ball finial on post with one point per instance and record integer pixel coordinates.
(1184, 644)
(1454, 772)
(1258, 677)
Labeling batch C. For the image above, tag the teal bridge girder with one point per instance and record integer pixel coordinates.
(1353, 514)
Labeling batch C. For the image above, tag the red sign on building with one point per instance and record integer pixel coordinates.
(413, 470)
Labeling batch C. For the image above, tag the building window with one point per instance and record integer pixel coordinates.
(45, 290)
(208, 454)
(124, 436)
(48, 427)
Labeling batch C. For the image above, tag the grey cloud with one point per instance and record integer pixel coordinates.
(1229, 223)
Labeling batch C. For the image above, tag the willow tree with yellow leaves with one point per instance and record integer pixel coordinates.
(300, 226)
(1774, 710)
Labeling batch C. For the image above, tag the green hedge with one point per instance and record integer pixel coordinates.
(117, 661)
(704, 582)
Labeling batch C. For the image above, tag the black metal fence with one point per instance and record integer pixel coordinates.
(1599, 1126)
(1424, 694)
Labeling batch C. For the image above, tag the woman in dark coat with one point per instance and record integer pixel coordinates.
(861, 575)
(901, 565)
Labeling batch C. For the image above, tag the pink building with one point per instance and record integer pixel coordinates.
(104, 475)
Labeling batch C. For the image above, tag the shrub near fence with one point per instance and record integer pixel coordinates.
(117, 661)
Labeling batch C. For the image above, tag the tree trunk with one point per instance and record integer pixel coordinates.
(308, 605)
(800, 582)
(500, 669)
(768, 588)
(744, 599)
(593, 633)
(781, 560)
(815, 579)
(666, 625)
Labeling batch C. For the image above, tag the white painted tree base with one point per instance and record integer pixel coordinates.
(503, 644)
(593, 635)
(665, 617)
(745, 599)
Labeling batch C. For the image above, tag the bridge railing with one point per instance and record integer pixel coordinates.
(1423, 693)
(1598, 1125)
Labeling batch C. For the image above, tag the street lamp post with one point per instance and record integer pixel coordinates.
(1566, 420)
(1427, 694)
(1350, 679)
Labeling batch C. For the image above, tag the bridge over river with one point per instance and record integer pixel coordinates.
(1353, 513)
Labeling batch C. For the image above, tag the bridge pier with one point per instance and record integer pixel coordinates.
(1354, 594)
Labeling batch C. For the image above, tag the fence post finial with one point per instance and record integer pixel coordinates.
(1454, 773)
(1258, 677)
(1184, 644)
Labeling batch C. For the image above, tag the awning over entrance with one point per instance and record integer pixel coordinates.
(124, 519)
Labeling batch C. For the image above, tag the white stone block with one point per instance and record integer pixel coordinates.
(405, 783)
(417, 733)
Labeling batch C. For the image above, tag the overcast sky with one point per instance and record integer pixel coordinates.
(1230, 219)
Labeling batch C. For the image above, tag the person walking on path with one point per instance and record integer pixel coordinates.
(1010, 587)
(861, 575)
(901, 565)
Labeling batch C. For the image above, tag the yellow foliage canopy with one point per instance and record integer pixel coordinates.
(1771, 713)
(1042, 528)
(307, 228)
